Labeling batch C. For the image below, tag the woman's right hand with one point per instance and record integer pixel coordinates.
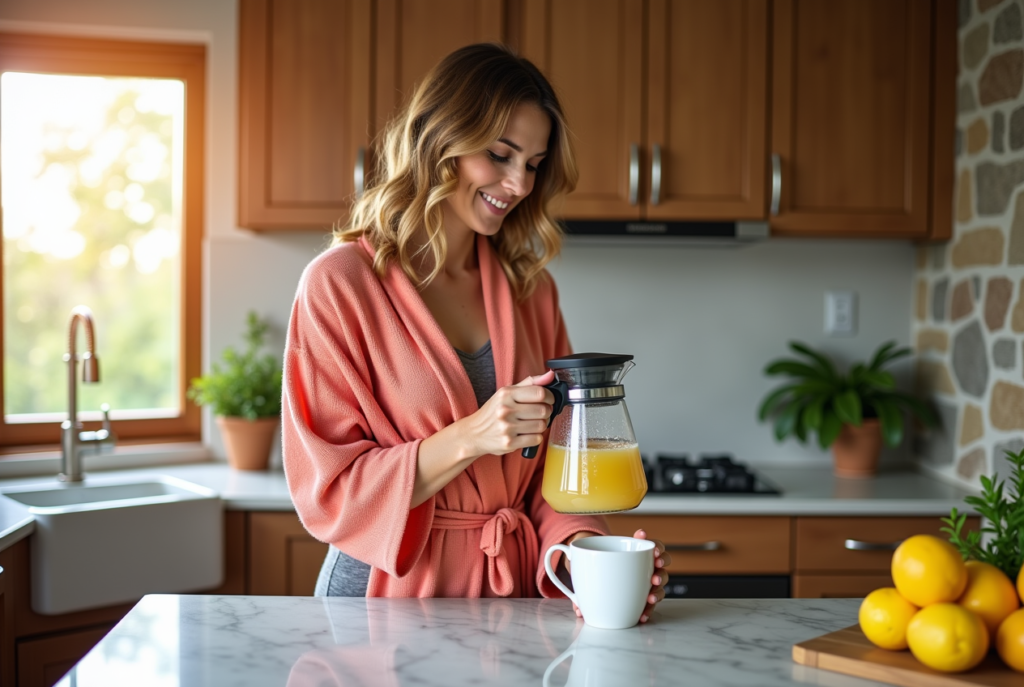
(513, 418)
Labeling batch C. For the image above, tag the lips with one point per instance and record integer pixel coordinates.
(495, 205)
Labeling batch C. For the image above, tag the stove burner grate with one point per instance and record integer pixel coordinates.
(708, 474)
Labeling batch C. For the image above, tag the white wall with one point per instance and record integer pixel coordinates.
(701, 322)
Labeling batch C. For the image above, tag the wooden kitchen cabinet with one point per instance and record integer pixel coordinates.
(7, 674)
(667, 106)
(413, 36)
(862, 109)
(284, 559)
(305, 110)
(41, 662)
(317, 80)
(701, 545)
(851, 556)
(679, 108)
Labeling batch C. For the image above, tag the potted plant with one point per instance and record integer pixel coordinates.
(852, 413)
(245, 396)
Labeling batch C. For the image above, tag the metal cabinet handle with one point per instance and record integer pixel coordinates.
(359, 177)
(857, 545)
(655, 175)
(704, 546)
(634, 173)
(776, 183)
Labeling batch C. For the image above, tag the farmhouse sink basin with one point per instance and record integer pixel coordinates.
(112, 540)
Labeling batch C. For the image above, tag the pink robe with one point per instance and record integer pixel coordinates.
(368, 374)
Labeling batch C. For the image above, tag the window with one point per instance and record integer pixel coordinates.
(101, 181)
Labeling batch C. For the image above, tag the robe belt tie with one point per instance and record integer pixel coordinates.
(494, 527)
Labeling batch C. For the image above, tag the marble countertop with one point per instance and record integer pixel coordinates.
(223, 641)
(805, 491)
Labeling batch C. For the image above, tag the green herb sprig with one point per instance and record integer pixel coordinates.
(1003, 515)
(249, 385)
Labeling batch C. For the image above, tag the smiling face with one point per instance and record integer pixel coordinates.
(495, 180)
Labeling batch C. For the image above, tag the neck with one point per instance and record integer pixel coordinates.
(461, 251)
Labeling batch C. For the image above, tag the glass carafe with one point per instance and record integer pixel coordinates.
(593, 461)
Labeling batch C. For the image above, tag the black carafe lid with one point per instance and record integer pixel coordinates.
(588, 370)
(588, 360)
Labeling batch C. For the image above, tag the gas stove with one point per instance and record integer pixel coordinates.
(706, 474)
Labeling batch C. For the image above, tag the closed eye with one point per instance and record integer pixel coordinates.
(503, 160)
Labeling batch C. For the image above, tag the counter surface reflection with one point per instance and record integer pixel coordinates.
(221, 641)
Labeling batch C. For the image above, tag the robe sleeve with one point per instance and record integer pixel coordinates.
(351, 487)
(553, 527)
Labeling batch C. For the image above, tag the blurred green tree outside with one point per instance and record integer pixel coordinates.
(91, 171)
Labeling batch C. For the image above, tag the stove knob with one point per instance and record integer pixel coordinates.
(702, 485)
(677, 477)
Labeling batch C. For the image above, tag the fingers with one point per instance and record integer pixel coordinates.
(538, 380)
(657, 594)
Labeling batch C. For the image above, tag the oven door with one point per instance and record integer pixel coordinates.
(727, 587)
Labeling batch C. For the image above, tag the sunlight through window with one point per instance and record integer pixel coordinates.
(92, 176)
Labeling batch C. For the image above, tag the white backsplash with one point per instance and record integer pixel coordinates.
(702, 322)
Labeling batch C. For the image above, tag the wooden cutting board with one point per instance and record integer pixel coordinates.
(849, 651)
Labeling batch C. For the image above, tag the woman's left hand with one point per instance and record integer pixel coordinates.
(658, 580)
(660, 577)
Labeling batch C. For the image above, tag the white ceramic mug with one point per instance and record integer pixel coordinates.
(611, 577)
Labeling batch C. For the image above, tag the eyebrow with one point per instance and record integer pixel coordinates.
(516, 147)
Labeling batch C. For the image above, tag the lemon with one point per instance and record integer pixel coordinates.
(928, 570)
(989, 593)
(1010, 640)
(1020, 584)
(947, 637)
(884, 616)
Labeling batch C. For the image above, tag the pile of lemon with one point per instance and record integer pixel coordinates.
(946, 611)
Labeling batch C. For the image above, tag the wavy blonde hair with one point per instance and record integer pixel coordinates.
(462, 106)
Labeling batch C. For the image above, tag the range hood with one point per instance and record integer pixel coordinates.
(712, 233)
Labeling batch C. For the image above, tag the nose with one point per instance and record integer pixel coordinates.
(517, 182)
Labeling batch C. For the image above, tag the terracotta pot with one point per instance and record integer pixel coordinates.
(248, 442)
(856, 450)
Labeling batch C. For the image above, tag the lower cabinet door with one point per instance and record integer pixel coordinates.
(713, 545)
(41, 662)
(284, 559)
(837, 586)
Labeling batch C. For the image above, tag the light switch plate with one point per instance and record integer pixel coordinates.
(840, 313)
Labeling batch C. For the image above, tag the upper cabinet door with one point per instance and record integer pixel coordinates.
(414, 35)
(850, 117)
(592, 52)
(707, 109)
(305, 110)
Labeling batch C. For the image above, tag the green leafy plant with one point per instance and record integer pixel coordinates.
(1003, 515)
(817, 399)
(249, 384)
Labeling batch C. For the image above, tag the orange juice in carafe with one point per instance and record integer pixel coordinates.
(602, 476)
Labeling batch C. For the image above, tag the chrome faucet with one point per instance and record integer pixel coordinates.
(75, 443)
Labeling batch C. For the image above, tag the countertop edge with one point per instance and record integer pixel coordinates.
(807, 492)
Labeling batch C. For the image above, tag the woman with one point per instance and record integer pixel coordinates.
(413, 367)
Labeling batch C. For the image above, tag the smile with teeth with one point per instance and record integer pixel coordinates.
(501, 205)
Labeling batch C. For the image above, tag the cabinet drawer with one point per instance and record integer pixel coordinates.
(715, 545)
(857, 544)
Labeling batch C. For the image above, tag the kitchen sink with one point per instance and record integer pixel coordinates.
(111, 540)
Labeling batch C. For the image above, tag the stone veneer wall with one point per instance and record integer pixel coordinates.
(968, 322)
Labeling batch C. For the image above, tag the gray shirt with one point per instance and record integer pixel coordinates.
(342, 575)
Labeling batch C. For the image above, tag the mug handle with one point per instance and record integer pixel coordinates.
(551, 573)
(571, 651)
